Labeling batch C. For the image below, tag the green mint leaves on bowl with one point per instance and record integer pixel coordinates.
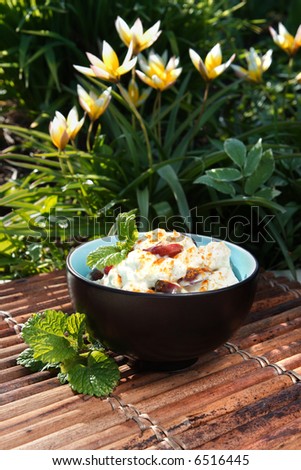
(63, 342)
(111, 255)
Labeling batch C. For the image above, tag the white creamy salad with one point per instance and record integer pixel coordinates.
(170, 262)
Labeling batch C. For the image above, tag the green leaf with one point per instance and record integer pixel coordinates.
(224, 174)
(262, 173)
(244, 200)
(85, 366)
(51, 34)
(49, 203)
(111, 255)
(143, 204)
(74, 328)
(98, 375)
(169, 175)
(267, 193)
(105, 256)
(274, 231)
(220, 186)
(126, 228)
(53, 66)
(253, 158)
(163, 209)
(53, 335)
(26, 359)
(236, 150)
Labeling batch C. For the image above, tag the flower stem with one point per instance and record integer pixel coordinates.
(290, 64)
(61, 160)
(205, 97)
(82, 188)
(157, 109)
(142, 125)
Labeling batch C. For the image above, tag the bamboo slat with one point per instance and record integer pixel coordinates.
(244, 395)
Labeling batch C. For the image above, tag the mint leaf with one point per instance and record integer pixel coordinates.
(63, 378)
(26, 359)
(52, 336)
(62, 341)
(97, 376)
(111, 255)
(106, 256)
(74, 329)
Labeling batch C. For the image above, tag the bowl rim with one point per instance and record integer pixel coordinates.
(161, 295)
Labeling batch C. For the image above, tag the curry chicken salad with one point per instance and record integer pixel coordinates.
(170, 262)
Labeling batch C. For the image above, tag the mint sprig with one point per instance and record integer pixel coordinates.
(64, 342)
(112, 255)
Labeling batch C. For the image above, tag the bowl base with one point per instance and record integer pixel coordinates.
(158, 366)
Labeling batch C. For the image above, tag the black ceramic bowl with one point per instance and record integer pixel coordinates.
(166, 331)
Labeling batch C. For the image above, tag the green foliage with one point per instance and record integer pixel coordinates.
(42, 40)
(64, 342)
(198, 151)
(127, 234)
(254, 168)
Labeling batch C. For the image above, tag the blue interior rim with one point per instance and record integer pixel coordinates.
(243, 262)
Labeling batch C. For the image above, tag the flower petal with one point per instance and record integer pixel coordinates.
(129, 53)
(73, 124)
(203, 70)
(85, 70)
(145, 78)
(153, 31)
(267, 60)
(100, 73)
(158, 82)
(123, 30)
(240, 71)
(298, 36)
(60, 117)
(151, 35)
(126, 66)
(137, 29)
(217, 71)
(155, 61)
(174, 74)
(95, 60)
(213, 58)
(221, 68)
(254, 61)
(109, 57)
(143, 64)
(172, 63)
(58, 132)
(84, 99)
(273, 33)
(72, 117)
(82, 93)
(195, 58)
(282, 31)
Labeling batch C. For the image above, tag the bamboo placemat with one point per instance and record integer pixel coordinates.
(244, 395)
